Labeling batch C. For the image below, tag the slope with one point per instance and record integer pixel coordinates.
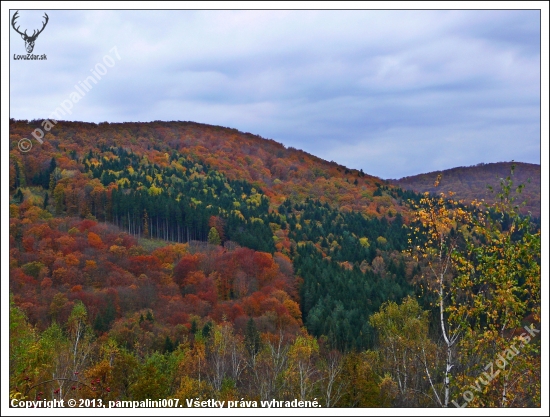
(175, 181)
(469, 183)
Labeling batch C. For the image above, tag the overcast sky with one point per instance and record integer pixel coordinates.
(395, 93)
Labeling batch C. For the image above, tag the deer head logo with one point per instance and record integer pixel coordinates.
(29, 40)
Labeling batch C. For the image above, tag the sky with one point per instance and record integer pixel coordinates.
(392, 92)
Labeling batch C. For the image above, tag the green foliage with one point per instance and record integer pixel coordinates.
(252, 339)
(33, 268)
(503, 274)
(168, 345)
(23, 347)
(18, 196)
(177, 202)
(207, 329)
(404, 350)
(114, 306)
(337, 301)
(364, 390)
(485, 276)
(152, 378)
(194, 327)
(214, 237)
(103, 320)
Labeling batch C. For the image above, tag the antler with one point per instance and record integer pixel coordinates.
(34, 35)
(13, 24)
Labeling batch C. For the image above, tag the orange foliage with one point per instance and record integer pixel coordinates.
(94, 240)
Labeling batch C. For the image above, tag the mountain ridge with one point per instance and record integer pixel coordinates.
(469, 183)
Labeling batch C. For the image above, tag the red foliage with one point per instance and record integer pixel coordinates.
(194, 305)
(85, 225)
(187, 264)
(178, 317)
(28, 243)
(236, 311)
(116, 276)
(88, 261)
(207, 291)
(142, 264)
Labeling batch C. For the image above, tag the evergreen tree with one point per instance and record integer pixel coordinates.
(194, 327)
(53, 165)
(109, 315)
(252, 339)
(168, 345)
(99, 324)
(207, 329)
(18, 195)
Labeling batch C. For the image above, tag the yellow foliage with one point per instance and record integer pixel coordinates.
(14, 211)
(123, 181)
(154, 190)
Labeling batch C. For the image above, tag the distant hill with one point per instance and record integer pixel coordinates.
(471, 183)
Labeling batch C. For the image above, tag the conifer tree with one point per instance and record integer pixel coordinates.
(252, 338)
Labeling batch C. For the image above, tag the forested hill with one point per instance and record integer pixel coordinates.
(282, 172)
(184, 182)
(181, 260)
(471, 182)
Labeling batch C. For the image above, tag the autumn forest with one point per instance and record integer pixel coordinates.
(182, 260)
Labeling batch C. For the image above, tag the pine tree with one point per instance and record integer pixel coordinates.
(207, 329)
(109, 315)
(53, 165)
(18, 195)
(54, 177)
(99, 324)
(252, 340)
(194, 328)
(168, 345)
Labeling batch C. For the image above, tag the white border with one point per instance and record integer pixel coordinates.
(5, 16)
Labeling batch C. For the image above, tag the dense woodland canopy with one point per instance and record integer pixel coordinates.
(173, 259)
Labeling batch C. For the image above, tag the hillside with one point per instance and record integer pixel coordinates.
(181, 260)
(175, 181)
(469, 183)
(282, 172)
